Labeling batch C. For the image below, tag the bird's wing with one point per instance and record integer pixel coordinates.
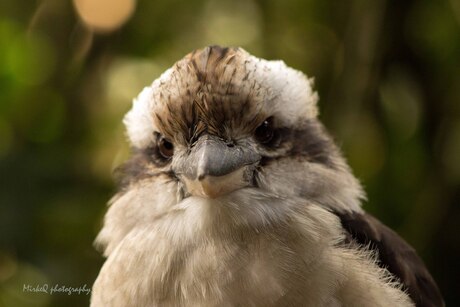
(394, 254)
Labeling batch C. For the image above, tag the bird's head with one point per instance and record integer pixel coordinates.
(221, 122)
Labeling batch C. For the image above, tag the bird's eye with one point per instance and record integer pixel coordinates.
(264, 133)
(166, 148)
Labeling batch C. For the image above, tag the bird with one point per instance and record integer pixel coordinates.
(235, 194)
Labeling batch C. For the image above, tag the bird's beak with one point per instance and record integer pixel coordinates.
(214, 168)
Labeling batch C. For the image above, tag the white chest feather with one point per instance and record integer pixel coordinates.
(218, 254)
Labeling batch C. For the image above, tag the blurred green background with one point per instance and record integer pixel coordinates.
(387, 71)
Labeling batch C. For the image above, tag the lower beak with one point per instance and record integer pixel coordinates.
(213, 187)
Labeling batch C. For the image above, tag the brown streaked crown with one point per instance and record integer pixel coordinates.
(212, 97)
(224, 91)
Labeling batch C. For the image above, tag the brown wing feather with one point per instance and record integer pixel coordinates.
(396, 255)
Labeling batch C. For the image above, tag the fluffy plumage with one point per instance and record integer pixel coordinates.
(236, 196)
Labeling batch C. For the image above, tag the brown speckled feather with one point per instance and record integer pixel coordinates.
(211, 99)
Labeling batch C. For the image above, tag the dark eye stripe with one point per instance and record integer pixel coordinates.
(139, 167)
(311, 142)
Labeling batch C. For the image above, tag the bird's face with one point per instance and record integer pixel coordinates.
(227, 129)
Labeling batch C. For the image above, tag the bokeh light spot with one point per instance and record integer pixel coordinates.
(125, 78)
(11, 290)
(231, 23)
(364, 145)
(104, 15)
(401, 103)
(29, 60)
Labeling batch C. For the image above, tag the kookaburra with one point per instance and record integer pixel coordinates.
(235, 195)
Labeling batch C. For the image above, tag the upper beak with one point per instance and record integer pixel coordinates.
(214, 168)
